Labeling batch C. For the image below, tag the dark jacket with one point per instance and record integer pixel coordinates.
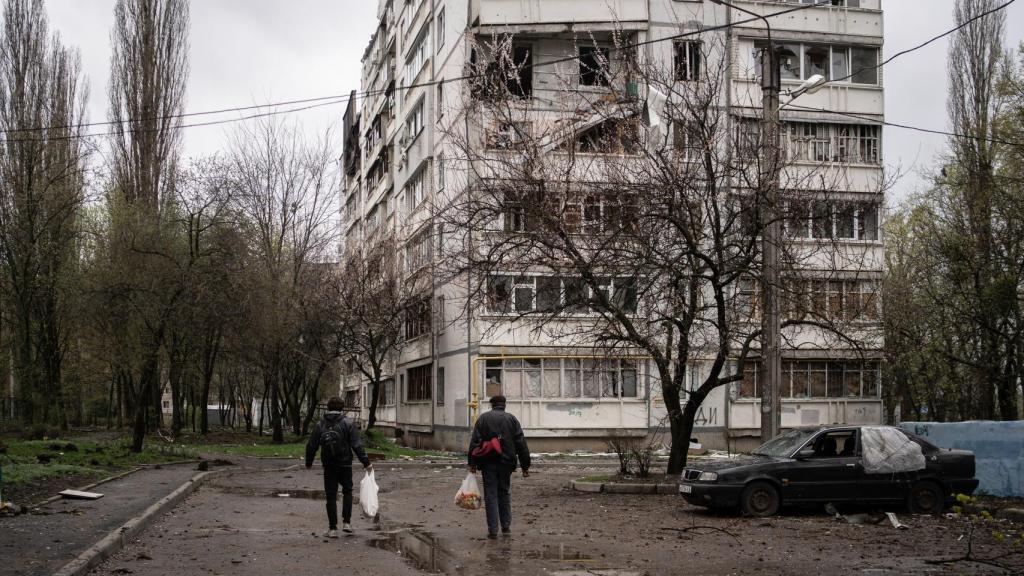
(351, 432)
(498, 423)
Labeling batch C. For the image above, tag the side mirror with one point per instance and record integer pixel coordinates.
(805, 454)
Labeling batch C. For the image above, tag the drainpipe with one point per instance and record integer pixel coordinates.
(472, 402)
(728, 154)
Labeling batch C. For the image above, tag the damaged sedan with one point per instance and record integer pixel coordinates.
(840, 464)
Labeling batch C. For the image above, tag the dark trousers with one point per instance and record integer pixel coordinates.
(334, 475)
(497, 495)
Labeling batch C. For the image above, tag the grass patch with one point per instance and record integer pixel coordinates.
(375, 442)
(32, 460)
(596, 478)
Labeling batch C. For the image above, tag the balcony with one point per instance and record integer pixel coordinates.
(865, 22)
(542, 12)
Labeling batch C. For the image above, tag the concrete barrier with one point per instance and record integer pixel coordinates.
(998, 450)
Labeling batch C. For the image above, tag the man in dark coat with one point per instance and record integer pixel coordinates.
(338, 439)
(496, 468)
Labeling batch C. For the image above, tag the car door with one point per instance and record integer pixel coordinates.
(890, 486)
(828, 470)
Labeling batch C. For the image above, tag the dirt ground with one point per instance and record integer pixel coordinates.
(240, 524)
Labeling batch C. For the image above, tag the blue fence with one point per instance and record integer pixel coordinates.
(998, 450)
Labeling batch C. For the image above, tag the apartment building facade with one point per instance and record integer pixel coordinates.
(398, 159)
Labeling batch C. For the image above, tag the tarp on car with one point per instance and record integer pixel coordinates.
(887, 450)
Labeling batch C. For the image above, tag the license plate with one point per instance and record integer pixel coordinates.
(685, 489)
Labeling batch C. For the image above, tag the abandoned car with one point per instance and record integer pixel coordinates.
(863, 464)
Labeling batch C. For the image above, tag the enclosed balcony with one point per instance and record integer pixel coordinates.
(549, 14)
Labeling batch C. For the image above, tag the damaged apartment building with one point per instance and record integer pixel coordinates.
(396, 144)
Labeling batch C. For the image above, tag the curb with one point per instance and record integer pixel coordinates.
(623, 488)
(119, 537)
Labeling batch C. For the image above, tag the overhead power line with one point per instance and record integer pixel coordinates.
(926, 42)
(321, 101)
(344, 98)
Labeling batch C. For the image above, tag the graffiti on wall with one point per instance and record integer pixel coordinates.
(706, 416)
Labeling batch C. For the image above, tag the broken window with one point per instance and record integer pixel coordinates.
(816, 61)
(493, 379)
(867, 222)
(508, 135)
(834, 62)
(865, 65)
(507, 73)
(530, 378)
(594, 66)
(499, 294)
(612, 136)
(687, 61)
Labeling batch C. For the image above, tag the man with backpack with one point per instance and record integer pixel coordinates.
(496, 447)
(338, 439)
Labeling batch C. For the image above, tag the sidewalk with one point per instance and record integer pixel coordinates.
(42, 543)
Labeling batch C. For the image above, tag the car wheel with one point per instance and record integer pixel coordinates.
(760, 499)
(926, 498)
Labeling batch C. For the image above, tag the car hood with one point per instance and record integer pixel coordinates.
(730, 463)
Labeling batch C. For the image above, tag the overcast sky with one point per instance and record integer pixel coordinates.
(248, 52)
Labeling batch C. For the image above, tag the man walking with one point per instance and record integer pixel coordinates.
(496, 447)
(338, 439)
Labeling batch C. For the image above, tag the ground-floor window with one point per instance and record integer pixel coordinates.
(561, 378)
(420, 383)
(386, 393)
(818, 379)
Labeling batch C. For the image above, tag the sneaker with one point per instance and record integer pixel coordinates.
(492, 536)
(347, 527)
(506, 532)
(332, 533)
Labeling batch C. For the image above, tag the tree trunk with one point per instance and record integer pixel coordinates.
(371, 418)
(276, 424)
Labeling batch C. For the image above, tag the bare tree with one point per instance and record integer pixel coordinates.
(42, 183)
(284, 188)
(373, 297)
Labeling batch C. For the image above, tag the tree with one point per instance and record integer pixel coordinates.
(284, 191)
(149, 68)
(956, 249)
(372, 298)
(641, 219)
(42, 180)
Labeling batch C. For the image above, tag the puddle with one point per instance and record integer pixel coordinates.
(592, 572)
(263, 493)
(562, 553)
(308, 494)
(421, 549)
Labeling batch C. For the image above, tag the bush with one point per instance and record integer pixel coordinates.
(623, 449)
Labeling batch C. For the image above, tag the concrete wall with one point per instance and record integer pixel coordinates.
(998, 450)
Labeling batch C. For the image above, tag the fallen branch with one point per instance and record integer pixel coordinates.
(697, 528)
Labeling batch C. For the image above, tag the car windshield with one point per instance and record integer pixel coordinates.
(784, 445)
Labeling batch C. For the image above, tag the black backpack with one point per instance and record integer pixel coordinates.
(334, 442)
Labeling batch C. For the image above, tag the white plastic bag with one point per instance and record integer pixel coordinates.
(468, 496)
(368, 494)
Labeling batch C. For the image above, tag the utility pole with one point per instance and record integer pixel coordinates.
(771, 355)
(770, 226)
